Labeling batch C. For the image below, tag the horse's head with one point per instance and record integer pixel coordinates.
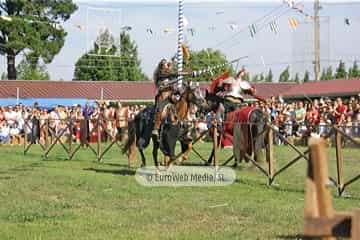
(192, 94)
(212, 101)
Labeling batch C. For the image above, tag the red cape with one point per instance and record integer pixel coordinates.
(218, 81)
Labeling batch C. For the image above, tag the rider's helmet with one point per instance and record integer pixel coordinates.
(163, 61)
(241, 73)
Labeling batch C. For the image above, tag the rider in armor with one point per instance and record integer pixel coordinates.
(164, 77)
(232, 92)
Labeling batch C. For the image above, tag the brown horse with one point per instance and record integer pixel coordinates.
(173, 117)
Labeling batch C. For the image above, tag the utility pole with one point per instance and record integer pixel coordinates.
(316, 40)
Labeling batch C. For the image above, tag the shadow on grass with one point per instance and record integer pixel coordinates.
(5, 178)
(55, 159)
(257, 183)
(124, 172)
(114, 164)
(23, 168)
(297, 236)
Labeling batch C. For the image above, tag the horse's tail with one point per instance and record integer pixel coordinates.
(131, 136)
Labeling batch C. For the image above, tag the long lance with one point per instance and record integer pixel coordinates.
(200, 72)
(212, 68)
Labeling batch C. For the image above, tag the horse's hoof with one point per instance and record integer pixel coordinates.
(235, 165)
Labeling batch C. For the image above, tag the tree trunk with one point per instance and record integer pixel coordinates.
(11, 70)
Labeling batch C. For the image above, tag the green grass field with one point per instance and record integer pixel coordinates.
(83, 199)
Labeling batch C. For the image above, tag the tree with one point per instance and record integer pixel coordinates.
(130, 69)
(285, 75)
(28, 71)
(269, 77)
(341, 71)
(296, 78)
(102, 62)
(328, 74)
(354, 71)
(206, 58)
(261, 78)
(306, 76)
(323, 75)
(4, 76)
(33, 27)
(255, 78)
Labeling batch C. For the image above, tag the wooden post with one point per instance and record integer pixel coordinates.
(98, 141)
(25, 136)
(311, 209)
(320, 170)
(70, 137)
(339, 163)
(269, 155)
(46, 134)
(215, 144)
(355, 225)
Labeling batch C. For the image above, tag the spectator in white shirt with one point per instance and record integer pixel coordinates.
(10, 116)
(15, 134)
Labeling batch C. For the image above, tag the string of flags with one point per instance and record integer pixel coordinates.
(293, 22)
(253, 29)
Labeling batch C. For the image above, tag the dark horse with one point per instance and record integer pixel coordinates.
(244, 127)
(141, 127)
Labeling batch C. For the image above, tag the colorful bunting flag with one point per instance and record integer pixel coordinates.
(309, 18)
(290, 3)
(293, 23)
(274, 27)
(300, 9)
(191, 31)
(347, 21)
(168, 30)
(233, 26)
(80, 27)
(212, 28)
(252, 29)
(149, 30)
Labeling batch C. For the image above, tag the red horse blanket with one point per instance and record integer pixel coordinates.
(232, 118)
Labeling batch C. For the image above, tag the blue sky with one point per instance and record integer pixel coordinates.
(211, 22)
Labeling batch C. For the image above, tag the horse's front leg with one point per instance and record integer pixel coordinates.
(156, 146)
(185, 150)
(143, 159)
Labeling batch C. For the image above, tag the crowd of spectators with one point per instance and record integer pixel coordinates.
(20, 120)
(292, 119)
(314, 117)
